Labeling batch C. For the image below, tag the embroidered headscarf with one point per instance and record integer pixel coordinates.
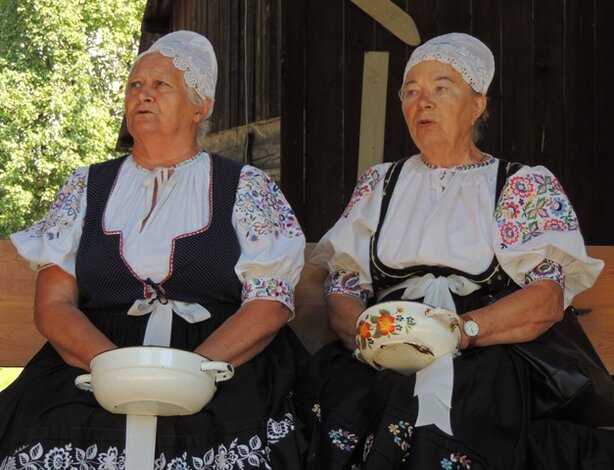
(467, 55)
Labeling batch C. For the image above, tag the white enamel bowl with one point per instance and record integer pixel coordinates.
(405, 336)
(153, 381)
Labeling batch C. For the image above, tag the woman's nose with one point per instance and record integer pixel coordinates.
(424, 100)
(145, 94)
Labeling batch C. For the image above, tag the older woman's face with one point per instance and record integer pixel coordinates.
(439, 106)
(157, 101)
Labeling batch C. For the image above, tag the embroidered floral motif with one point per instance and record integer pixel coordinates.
(463, 167)
(345, 282)
(262, 209)
(367, 448)
(63, 210)
(268, 288)
(402, 433)
(61, 458)
(277, 430)
(344, 440)
(547, 269)
(365, 185)
(531, 205)
(456, 461)
(254, 454)
(385, 323)
(317, 411)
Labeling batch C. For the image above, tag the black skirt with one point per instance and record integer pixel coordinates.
(47, 423)
(362, 419)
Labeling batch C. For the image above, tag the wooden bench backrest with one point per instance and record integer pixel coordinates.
(19, 339)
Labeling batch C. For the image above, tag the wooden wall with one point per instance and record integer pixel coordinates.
(550, 100)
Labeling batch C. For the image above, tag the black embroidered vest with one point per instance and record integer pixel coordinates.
(202, 263)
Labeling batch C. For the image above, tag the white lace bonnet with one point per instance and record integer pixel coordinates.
(193, 54)
(467, 55)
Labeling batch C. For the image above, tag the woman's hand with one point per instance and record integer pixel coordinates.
(246, 333)
(343, 311)
(519, 317)
(57, 317)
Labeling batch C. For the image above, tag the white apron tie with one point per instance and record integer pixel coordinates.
(158, 331)
(437, 290)
(433, 388)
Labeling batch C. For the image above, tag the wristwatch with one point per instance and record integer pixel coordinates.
(471, 328)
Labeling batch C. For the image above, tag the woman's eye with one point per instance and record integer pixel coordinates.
(135, 84)
(440, 88)
(161, 83)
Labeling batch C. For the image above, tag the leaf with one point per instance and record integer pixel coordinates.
(254, 460)
(91, 451)
(255, 443)
(209, 457)
(36, 452)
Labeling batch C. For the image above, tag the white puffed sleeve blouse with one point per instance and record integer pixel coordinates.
(269, 234)
(447, 217)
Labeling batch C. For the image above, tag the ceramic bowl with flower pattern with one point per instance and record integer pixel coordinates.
(405, 336)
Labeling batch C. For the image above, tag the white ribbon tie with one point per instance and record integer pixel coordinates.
(437, 290)
(158, 331)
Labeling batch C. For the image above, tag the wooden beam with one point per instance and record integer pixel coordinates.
(373, 110)
(393, 18)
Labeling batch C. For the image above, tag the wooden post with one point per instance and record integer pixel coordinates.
(373, 110)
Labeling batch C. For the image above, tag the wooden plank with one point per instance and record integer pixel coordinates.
(454, 16)
(548, 85)
(599, 323)
(324, 127)
(486, 25)
(265, 144)
(357, 39)
(393, 18)
(600, 229)
(397, 135)
(292, 106)
(19, 338)
(580, 167)
(517, 82)
(373, 110)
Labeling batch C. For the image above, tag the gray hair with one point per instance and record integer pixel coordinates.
(481, 122)
(203, 126)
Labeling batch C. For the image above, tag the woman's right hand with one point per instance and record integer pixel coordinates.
(59, 319)
(343, 311)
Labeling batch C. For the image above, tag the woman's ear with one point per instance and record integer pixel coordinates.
(479, 105)
(204, 110)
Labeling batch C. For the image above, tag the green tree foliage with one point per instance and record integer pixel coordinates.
(63, 65)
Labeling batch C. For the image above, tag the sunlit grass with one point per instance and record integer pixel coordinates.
(7, 375)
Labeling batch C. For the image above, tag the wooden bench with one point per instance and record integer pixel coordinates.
(19, 339)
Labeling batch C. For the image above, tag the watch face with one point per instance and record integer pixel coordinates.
(471, 328)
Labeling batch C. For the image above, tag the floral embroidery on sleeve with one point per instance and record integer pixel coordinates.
(268, 289)
(262, 209)
(365, 185)
(531, 205)
(64, 209)
(345, 282)
(547, 269)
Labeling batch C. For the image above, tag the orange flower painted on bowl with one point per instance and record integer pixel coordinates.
(385, 323)
(364, 330)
